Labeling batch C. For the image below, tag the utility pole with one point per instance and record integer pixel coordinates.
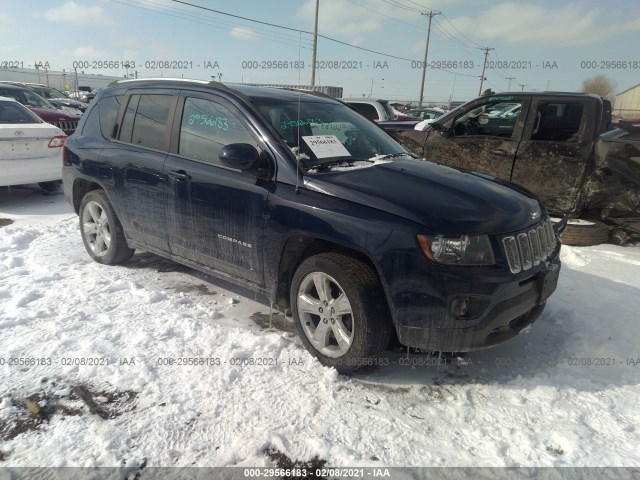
(510, 78)
(315, 46)
(430, 14)
(484, 66)
(522, 85)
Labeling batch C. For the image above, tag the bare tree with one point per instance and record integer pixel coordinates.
(598, 84)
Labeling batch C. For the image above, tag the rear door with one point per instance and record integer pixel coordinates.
(137, 156)
(554, 154)
(475, 141)
(217, 213)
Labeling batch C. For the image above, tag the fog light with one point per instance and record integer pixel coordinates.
(468, 307)
(460, 306)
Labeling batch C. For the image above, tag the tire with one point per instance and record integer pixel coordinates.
(582, 233)
(101, 231)
(353, 338)
(50, 187)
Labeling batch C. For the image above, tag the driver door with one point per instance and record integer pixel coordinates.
(475, 141)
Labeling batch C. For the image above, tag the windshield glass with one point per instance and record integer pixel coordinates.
(51, 93)
(35, 100)
(322, 133)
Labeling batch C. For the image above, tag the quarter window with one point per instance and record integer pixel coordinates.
(109, 107)
(208, 126)
(366, 110)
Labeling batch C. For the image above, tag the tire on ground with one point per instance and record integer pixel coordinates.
(117, 251)
(582, 233)
(370, 319)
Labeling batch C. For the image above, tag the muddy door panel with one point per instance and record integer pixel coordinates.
(483, 137)
(490, 155)
(218, 211)
(555, 153)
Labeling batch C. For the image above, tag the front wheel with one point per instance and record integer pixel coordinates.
(339, 310)
(101, 230)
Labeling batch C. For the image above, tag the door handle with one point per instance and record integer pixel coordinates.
(500, 153)
(180, 175)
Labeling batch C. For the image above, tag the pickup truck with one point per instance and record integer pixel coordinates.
(560, 146)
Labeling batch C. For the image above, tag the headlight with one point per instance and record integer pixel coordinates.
(458, 250)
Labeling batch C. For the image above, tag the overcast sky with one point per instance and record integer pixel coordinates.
(544, 44)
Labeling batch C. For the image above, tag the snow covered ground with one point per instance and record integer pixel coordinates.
(538, 400)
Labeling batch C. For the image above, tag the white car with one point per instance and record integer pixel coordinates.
(30, 149)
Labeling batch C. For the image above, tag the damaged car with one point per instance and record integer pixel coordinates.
(298, 198)
(556, 145)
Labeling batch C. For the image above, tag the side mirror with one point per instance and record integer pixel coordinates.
(241, 156)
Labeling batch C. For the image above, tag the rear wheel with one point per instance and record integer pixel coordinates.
(101, 230)
(339, 310)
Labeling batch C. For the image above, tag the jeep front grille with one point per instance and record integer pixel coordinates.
(527, 249)
(66, 126)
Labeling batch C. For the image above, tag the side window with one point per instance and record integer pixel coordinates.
(365, 110)
(146, 121)
(127, 120)
(109, 108)
(558, 122)
(496, 119)
(150, 127)
(206, 127)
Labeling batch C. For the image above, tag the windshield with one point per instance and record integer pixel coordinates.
(27, 98)
(50, 93)
(322, 133)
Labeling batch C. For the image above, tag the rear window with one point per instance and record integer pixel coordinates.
(366, 110)
(12, 112)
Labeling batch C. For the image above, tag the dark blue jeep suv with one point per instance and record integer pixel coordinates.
(296, 196)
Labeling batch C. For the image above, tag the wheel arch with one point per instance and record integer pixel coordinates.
(81, 187)
(299, 247)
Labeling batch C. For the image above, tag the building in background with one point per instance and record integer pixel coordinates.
(626, 105)
(72, 80)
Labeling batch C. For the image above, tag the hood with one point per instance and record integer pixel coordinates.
(443, 199)
(53, 115)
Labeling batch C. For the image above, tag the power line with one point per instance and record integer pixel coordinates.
(293, 29)
(385, 15)
(400, 5)
(176, 13)
(456, 29)
(240, 17)
(447, 36)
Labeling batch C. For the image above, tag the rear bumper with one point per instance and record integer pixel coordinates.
(31, 170)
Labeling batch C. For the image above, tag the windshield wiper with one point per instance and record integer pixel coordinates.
(334, 163)
(392, 155)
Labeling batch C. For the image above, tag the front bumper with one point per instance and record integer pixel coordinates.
(501, 305)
